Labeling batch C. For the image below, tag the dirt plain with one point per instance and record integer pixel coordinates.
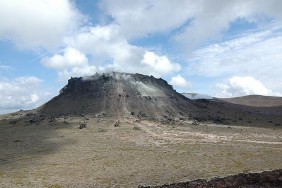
(54, 152)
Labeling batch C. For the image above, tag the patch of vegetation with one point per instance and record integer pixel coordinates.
(1, 173)
(238, 164)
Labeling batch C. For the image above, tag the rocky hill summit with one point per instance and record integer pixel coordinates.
(119, 94)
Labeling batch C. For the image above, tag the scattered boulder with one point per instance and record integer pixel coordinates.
(117, 124)
(195, 122)
(13, 122)
(137, 120)
(137, 128)
(82, 126)
(51, 120)
(141, 114)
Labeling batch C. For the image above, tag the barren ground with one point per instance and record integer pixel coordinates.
(57, 154)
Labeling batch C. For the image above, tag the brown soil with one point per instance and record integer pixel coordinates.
(54, 152)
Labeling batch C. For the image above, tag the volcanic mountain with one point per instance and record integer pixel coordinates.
(119, 94)
(139, 96)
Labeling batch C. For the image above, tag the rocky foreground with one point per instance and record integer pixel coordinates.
(267, 179)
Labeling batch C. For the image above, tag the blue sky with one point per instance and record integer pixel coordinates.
(215, 47)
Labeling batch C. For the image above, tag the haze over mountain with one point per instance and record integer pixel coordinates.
(195, 96)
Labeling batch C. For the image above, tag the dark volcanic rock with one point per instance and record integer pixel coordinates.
(267, 179)
(118, 94)
(82, 126)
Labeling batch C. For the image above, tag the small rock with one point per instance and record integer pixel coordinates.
(13, 122)
(141, 114)
(195, 122)
(117, 124)
(82, 126)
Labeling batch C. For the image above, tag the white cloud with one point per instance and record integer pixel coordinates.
(4, 67)
(140, 18)
(159, 65)
(70, 58)
(104, 43)
(87, 70)
(71, 63)
(257, 55)
(32, 23)
(179, 81)
(240, 86)
(193, 22)
(21, 93)
(108, 50)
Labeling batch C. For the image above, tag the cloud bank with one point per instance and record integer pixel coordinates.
(252, 54)
(107, 51)
(180, 82)
(240, 86)
(33, 23)
(21, 93)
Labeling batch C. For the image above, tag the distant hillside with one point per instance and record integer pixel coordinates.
(255, 101)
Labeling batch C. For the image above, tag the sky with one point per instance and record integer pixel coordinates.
(215, 47)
